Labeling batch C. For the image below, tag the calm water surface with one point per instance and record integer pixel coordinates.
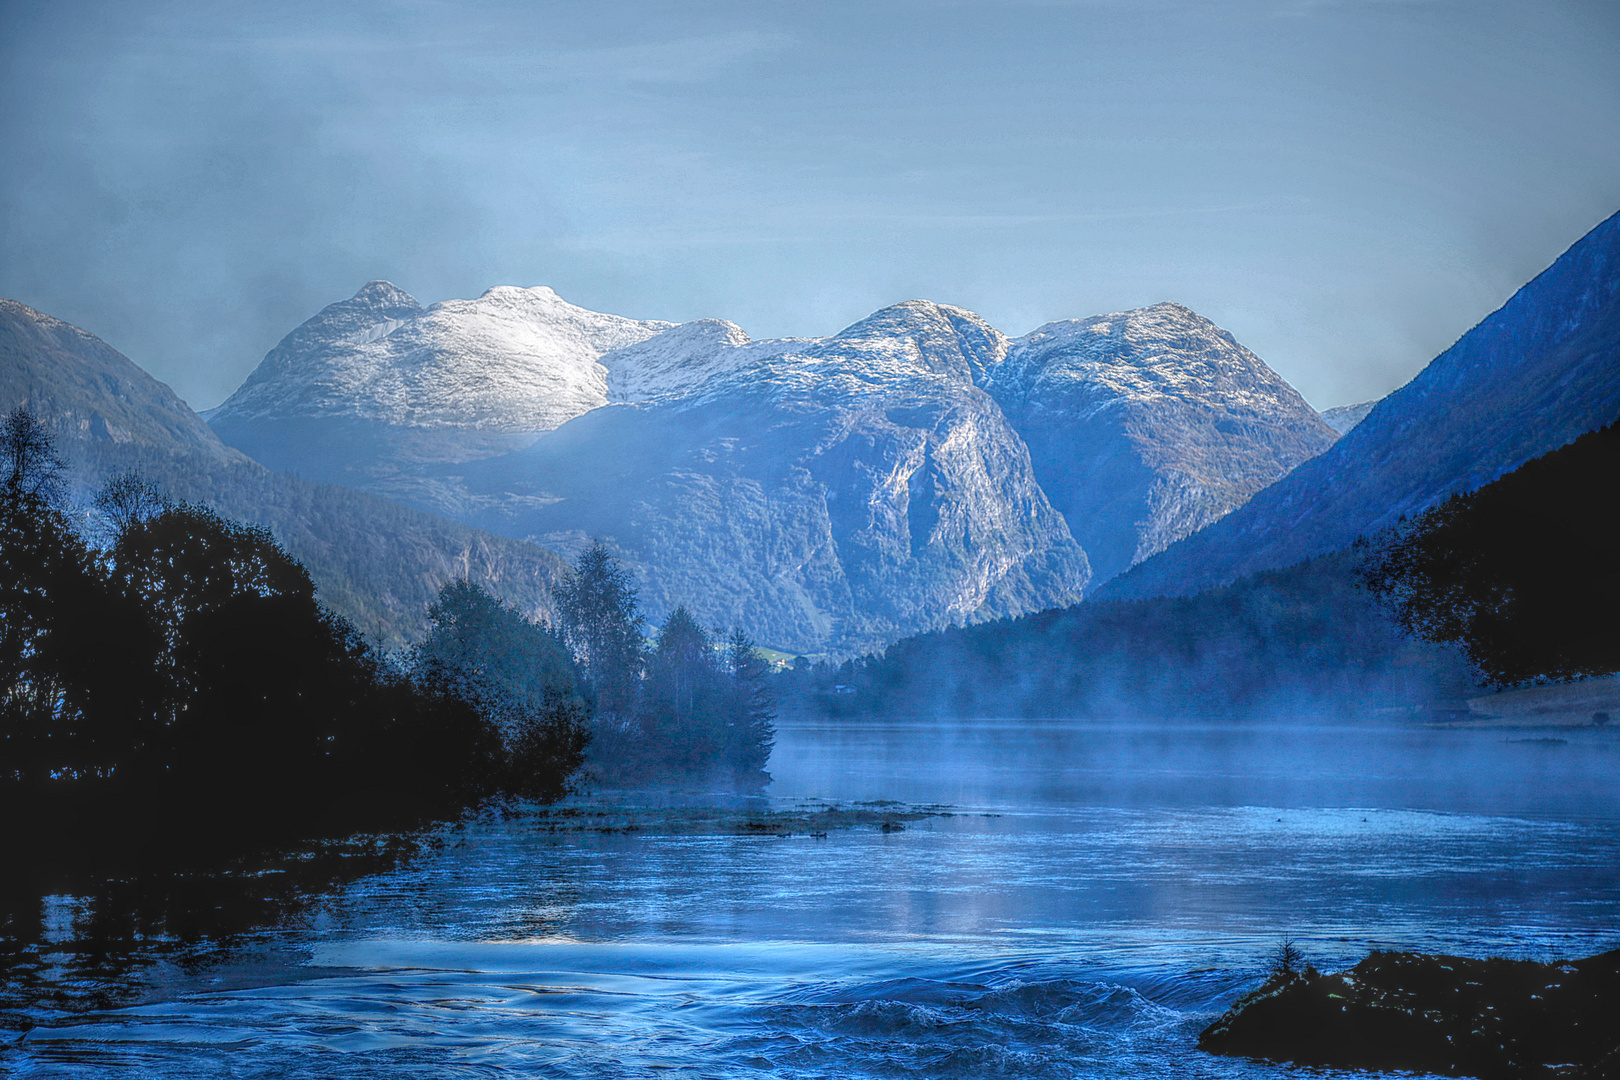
(1097, 894)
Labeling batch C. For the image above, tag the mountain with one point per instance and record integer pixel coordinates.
(1342, 418)
(1535, 374)
(828, 494)
(1145, 426)
(378, 382)
(915, 470)
(87, 391)
(376, 562)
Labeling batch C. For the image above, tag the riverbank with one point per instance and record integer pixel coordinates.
(1451, 1015)
(1587, 703)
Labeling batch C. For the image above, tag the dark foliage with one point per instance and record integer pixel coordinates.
(1523, 574)
(29, 464)
(182, 691)
(686, 708)
(518, 674)
(1452, 1015)
(602, 623)
(1286, 960)
(751, 709)
(1305, 638)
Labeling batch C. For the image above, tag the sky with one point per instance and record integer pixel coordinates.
(1345, 186)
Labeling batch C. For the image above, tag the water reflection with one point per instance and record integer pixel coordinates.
(1092, 895)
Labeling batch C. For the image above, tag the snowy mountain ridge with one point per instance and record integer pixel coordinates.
(513, 360)
(917, 469)
(1149, 354)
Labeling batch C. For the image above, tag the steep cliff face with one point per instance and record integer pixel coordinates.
(1534, 375)
(1145, 426)
(829, 495)
(375, 561)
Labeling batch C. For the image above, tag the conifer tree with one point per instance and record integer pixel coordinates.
(603, 626)
(679, 714)
(753, 705)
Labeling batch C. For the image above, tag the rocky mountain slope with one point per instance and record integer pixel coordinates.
(1534, 375)
(1145, 426)
(1342, 418)
(827, 493)
(830, 494)
(375, 561)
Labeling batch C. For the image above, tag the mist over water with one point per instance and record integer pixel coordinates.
(1092, 896)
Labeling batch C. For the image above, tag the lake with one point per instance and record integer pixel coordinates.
(1081, 900)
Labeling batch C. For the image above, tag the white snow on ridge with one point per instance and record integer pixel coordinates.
(893, 347)
(1342, 418)
(525, 360)
(1151, 354)
(676, 361)
(514, 359)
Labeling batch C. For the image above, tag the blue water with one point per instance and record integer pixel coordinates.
(1097, 894)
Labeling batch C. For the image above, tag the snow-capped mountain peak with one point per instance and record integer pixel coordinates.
(513, 360)
(1166, 351)
(923, 335)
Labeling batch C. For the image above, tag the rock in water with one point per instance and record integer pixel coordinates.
(1439, 1014)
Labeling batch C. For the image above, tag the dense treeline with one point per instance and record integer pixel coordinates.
(179, 685)
(172, 681)
(378, 563)
(1308, 638)
(1523, 574)
(689, 707)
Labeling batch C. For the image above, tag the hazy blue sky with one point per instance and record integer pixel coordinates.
(1346, 187)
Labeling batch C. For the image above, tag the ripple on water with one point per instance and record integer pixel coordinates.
(1127, 890)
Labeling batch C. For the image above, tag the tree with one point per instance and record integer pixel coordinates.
(185, 690)
(515, 673)
(29, 464)
(1523, 574)
(751, 728)
(75, 663)
(185, 563)
(127, 500)
(604, 627)
(680, 702)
